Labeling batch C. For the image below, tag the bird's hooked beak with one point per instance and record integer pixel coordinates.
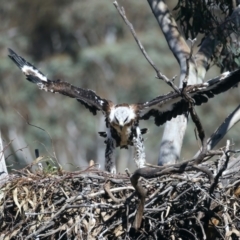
(121, 124)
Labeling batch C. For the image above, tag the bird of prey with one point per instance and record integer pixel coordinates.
(122, 120)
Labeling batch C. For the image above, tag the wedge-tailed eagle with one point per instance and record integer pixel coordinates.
(122, 120)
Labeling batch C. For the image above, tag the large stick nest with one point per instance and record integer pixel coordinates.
(93, 204)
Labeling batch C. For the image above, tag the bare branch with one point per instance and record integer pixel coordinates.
(106, 188)
(141, 192)
(222, 130)
(159, 74)
(220, 172)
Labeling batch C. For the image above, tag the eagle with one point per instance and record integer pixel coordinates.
(122, 120)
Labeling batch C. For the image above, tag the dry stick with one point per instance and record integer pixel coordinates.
(106, 188)
(224, 167)
(96, 205)
(183, 229)
(51, 221)
(72, 226)
(92, 195)
(159, 74)
(202, 155)
(222, 130)
(141, 192)
(52, 232)
(223, 157)
(202, 228)
(197, 123)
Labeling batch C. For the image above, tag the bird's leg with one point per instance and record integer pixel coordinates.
(139, 150)
(110, 164)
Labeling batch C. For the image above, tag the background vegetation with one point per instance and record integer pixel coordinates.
(87, 44)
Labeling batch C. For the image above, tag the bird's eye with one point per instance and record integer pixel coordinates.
(125, 119)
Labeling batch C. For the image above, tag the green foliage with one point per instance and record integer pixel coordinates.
(199, 19)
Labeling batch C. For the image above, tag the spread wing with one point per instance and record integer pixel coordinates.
(85, 96)
(166, 107)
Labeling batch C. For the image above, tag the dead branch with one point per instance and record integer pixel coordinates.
(222, 130)
(159, 74)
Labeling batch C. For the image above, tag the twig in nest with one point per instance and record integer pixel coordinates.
(206, 171)
(141, 192)
(219, 174)
(202, 228)
(183, 229)
(106, 187)
(51, 221)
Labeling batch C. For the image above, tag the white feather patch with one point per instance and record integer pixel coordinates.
(224, 75)
(29, 70)
(101, 102)
(121, 113)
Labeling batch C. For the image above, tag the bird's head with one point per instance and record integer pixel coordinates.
(121, 116)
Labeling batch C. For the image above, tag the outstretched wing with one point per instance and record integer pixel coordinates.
(166, 107)
(85, 96)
